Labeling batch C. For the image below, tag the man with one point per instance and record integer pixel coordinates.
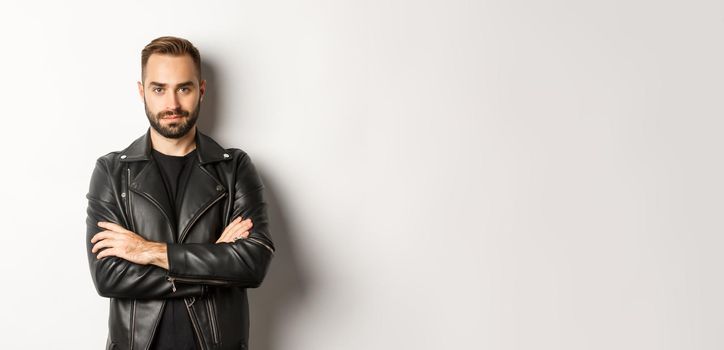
(177, 227)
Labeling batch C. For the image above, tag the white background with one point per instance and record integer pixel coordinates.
(441, 174)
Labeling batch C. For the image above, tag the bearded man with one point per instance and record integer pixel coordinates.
(177, 225)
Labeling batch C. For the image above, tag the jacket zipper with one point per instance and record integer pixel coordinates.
(195, 280)
(133, 321)
(128, 200)
(211, 309)
(194, 322)
(130, 224)
(254, 240)
(125, 198)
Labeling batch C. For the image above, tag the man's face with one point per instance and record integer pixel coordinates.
(171, 94)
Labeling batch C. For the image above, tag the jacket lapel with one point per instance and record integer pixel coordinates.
(149, 183)
(202, 189)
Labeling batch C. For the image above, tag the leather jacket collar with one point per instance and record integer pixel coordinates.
(207, 149)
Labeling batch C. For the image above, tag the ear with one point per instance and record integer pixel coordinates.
(140, 90)
(202, 89)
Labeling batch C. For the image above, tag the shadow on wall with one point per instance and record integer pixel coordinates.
(285, 284)
(210, 104)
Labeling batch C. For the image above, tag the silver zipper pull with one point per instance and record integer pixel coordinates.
(173, 285)
(254, 240)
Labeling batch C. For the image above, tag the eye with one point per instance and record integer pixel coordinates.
(184, 89)
(157, 89)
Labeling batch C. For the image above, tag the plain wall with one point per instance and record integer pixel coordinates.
(440, 174)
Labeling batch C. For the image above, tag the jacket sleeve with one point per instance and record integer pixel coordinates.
(242, 263)
(112, 276)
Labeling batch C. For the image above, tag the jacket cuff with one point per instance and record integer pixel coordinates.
(176, 259)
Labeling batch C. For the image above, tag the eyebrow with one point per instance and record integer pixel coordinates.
(185, 83)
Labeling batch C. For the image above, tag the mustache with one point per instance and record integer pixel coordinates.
(180, 112)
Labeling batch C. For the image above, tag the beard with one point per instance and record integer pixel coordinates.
(177, 128)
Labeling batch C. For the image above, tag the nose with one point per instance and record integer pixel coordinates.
(172, 102)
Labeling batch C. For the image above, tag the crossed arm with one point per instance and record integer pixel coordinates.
(128, 245)
(128, 266)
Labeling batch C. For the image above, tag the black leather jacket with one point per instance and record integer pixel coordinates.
(126, 188)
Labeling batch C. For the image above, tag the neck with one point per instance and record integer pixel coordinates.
(174, 147)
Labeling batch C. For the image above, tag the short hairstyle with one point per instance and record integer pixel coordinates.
(170, 45)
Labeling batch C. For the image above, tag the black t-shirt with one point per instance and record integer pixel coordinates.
(175, 331)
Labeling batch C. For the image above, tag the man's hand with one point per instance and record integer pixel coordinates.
(128, 245)
(237, 229)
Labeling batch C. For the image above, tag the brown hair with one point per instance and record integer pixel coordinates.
(170, 45)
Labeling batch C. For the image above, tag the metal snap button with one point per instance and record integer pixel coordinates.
(123, 156)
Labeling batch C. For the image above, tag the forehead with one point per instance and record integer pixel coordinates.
(170, 69)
